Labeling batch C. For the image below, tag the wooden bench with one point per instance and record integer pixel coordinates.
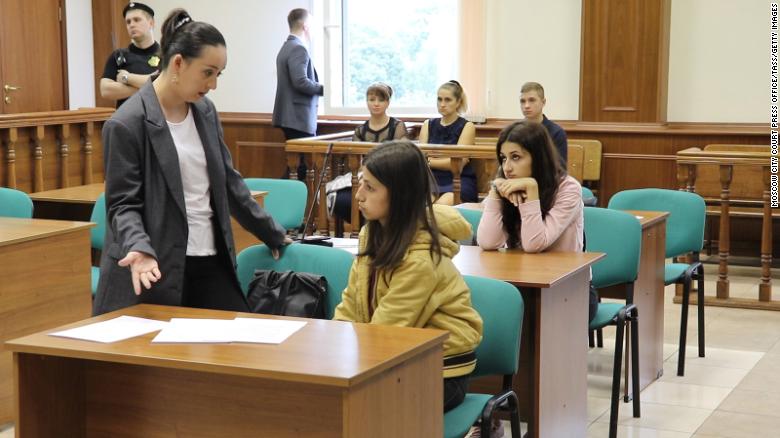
(734, 181)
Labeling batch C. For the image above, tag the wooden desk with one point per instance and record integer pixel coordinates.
(330, 379)
(75, 203)
(648, 292)
(552, 380)
(45, 282)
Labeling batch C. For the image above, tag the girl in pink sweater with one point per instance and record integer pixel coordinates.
(533, 204)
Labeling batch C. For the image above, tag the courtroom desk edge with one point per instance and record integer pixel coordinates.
(78, 194)
(649, 218)
(40, 344)
(37, 228)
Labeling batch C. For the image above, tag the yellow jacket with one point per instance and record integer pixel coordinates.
(421, 293)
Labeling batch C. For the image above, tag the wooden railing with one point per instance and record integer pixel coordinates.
(42, 151)
(348, 156)
(743, 176)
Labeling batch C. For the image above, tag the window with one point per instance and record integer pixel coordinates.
(410, 44)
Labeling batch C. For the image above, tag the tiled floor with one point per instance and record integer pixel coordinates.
(733, 392)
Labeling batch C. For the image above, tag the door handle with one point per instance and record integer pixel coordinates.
(8, 88)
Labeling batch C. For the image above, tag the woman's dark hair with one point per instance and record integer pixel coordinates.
(401, 167)
(545, 169)
(182, 35)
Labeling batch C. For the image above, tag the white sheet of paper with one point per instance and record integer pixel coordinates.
(349, 245)
(196, 330)
(640, 217)
(265, 331)
(113, 330)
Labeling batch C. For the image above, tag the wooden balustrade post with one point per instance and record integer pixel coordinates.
(37, 137)
(765, 287)
(10, 158)
(64, 134)
(682, 176)
(726, 171)
(354, 167)
(292, 164)
(87, 131)
(455, 167)
(691, 186)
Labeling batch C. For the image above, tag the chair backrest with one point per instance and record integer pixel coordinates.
(618, 235)
(685, 223)
(501, 307)
(587, 194)
(332, 263)
(15, 203)
(591, 168)
(575, 161)
(473, 217)
(285, 201)
(98, 232)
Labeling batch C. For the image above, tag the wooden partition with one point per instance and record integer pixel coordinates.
(348, 156)
(735, 179)
(50, 150)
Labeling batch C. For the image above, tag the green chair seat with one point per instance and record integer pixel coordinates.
(588, 198)
(605, 315)
(673, 272)
(459, 420)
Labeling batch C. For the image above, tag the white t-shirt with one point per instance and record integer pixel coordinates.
(195, 179)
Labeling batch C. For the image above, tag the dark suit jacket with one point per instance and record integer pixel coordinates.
(145, 199)
(297, 88)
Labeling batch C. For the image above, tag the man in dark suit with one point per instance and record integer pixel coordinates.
(297, 85)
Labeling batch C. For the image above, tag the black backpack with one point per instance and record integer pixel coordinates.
(288, 293)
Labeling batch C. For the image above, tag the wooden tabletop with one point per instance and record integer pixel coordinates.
(88, 194)
(323, 352)
(646, 218)
(14, 230)
(542, 270)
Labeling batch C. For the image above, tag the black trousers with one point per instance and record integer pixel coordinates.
(210, 284)
(455, 389)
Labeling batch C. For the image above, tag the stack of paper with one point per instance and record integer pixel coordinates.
(254, 330)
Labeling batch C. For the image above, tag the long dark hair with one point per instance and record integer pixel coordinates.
(401, 167)
(545, 169)
(184, 36)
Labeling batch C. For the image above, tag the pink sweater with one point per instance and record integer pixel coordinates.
(561, 230)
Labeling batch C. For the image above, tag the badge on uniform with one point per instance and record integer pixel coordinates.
(154, 61)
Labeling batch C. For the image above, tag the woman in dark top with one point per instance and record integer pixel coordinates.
(378, 128)
(453, 129)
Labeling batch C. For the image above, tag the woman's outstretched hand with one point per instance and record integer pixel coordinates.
(143, 269)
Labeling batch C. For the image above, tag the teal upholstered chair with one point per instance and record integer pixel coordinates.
(285, 201)
(473, 217)
(588, 198)
(332, 263)
(15, 203)
(684, 236)
(501, 308)
(619, 235)
(97, 234)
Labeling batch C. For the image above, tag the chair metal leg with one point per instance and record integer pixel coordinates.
(591, 339)
(514, 419)
(683, 328)
(635, 360)
(599, 338)
(700, 287)
(618, 361)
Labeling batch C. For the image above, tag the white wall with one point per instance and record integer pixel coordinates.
(81, 89)
(719, 61)
(717, 68)
(538, 41)
(254, 31)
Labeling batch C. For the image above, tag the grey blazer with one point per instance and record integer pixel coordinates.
(145, 199)
(297, 88)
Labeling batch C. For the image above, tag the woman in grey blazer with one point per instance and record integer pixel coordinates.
(171, 186)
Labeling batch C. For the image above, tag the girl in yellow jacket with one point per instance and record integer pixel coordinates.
(404, 274)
